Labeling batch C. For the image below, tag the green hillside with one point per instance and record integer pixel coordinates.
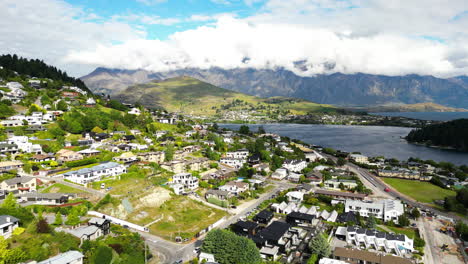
(191, 96)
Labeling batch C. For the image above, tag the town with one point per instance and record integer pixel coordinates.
(86, 179)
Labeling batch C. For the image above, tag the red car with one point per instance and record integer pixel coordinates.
(387, 189)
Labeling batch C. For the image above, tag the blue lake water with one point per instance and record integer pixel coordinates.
(369, 140)
(438, 116)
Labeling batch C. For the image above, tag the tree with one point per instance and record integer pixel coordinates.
(42, 226)
(58, 219)
(371, 223)
(319, 245)
(103, 255)
(403, 220)
(97, 129)
(415, 213)
(72, 219)
(261, 130)
(244, 130)
(10, 202)
(341, 161)
(229, 248)
(169, 153)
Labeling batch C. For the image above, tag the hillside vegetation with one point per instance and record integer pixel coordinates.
(453, 134)
(419, 107)
(192, 96)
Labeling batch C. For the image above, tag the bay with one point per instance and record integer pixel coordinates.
(369, 140)
(437, 116)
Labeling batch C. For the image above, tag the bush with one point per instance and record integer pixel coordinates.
(79, 163)
(42, 226)
(103, 255)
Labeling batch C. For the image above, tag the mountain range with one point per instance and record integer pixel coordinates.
(350, 90)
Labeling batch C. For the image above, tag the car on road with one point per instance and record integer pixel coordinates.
(387, 189)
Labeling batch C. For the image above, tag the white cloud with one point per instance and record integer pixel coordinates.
(268, 45)
(49, 29)
(146, 19)
(151, 2)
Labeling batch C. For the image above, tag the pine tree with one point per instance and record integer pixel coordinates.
(371, 223)
(319, 245)
(58, 219)
(72, 219)
(10, 202)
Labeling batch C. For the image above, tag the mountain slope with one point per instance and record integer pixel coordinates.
(191, 96)
(337, 89)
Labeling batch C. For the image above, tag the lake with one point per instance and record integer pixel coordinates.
(369, 140)
(438, 116)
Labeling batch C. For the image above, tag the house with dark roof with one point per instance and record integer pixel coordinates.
(264, 217)
(245, 228)
(8, 223)
(276, 234)
(297, 218)
(44, 198)
(101, 223)
(347, 217)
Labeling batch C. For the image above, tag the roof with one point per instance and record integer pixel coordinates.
(344, 194)
(63, 258)
(347, 217)
(82, 231)
(16, 180)
(97, 221)
(301, 216)
(369, 256)
(3, 219)
(42, 195)
(10, 163)
(274, 231)
(264, 214)
(246, 225)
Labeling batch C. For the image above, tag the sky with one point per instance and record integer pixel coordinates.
(308, 37)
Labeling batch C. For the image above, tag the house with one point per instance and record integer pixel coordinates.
(218, 194)
(335, 184)
(298, 218)
(89, 152)
(126, 158)
(90, 232)
(43, 157)
(352, 255)
(233, 162)
(206, 258)
(295, 196)
(314, 177)
(312, 156)
(24, 145)
(305, 188)
(186, 179)
(387, 210)
(175, 166)
(157, 157)
(341, 195)
(235, 187)
(8, 148)
(294, 165)
(279, 174)
(245, 228)
(71, 95)
(21, 184)
(101, 223)
(369, 238)
(44, 198)
(10, 165)
(347, 217)
(276, 234)
(65, 155)
(331, 261)
(69, 257)
(238, 154)
(11, 123)
(134, 111)
(262, 167)
(294, 177)
(86, 175)
(404, 174)
(358, 158)
(8, 224)
(263, 217)
(197, 164)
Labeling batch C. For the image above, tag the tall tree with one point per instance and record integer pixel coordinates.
(10, 202)
(371, 223)
(319, 245)
(58, 219)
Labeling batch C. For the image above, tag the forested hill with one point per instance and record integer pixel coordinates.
(452, 134)
(37, 68)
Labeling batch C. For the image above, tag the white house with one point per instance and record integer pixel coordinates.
(24, 145)
(69, 257)
(358, 158)
(85, 175)
(312, 156)
(387, 210)
(233, 162)
(186, 180)
(279, 174)
(235, 187)
(295, 165)
(334, 184)
(238, 154)
(8, 223)
(370, 238)
(295, 196)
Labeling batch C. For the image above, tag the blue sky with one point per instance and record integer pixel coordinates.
(175, 14)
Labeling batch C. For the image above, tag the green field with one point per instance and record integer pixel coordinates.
(421, 191)
(61, 188)
(409, 232)
(184, 217)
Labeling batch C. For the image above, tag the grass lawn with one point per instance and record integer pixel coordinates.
(421, 191)
(409, 232)
(182, 216)
(61, 188)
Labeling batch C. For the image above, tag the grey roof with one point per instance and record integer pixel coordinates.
(102, 166)
(42, 195)
(17, 180)
(3, 219)
(96, 220)
(82, 231)
(63, 258)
